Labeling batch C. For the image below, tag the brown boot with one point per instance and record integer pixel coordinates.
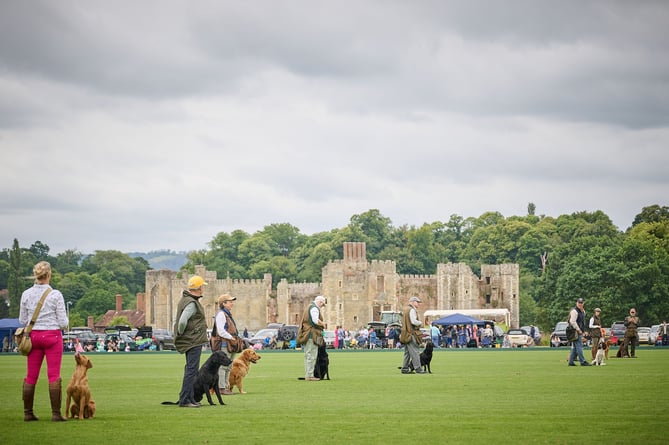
(55, 394)
(28, 397)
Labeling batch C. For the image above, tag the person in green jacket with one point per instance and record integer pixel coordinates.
(190, 334)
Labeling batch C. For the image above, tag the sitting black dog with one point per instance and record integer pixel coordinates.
(425, 358)
(322, 368)
(207, 377)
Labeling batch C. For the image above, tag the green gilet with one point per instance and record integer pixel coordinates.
(195, 333)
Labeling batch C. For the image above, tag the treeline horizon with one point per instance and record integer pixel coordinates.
(582, 254)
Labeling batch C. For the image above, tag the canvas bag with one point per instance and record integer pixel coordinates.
(22, 335)
(22, 339)
(570, 332)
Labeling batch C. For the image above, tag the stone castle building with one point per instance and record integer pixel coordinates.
(357, 291)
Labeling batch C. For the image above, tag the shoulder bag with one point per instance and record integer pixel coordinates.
(22, 335)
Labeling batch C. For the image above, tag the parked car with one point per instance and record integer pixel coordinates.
(261, 335)
(285, 332)
(162, 339)
(519, 338)
(329, 337)
(120, 338)
(87, 338)
(644, 334)
(653, 334)
(537, 333)
(618, 330)
(561, 332)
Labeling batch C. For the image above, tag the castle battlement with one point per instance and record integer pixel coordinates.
(357, 291)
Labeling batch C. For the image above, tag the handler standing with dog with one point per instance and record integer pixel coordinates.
(411, 338)
(46, 338)
(226, 328)
(310, 335)
(190, 334)
(577, 321)
(595, 326)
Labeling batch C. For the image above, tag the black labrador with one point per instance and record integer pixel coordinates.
(207, 378)
(322, 366)
(425, 358)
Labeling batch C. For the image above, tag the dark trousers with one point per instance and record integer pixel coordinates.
(190, 374)
(631, 342)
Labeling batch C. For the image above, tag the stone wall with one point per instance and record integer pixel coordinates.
(357, 291)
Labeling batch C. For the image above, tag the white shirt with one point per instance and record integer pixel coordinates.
(52, 316)
(220, 325)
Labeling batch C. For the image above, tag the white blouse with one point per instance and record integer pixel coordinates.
(52, 315)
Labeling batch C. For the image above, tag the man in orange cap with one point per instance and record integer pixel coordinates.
(190, 333)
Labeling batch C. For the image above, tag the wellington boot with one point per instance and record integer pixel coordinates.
(55, 394)
(28, 398)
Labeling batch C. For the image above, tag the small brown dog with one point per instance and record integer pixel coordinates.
(240, 368)
(78, 391)
(89, 410)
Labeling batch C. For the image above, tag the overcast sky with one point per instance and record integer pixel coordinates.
(149, 125)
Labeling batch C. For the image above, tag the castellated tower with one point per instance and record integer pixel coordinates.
(358, 290)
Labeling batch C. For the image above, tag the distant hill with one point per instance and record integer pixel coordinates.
(162, 259)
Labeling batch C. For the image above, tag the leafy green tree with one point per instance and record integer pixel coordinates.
(278, 266)
(68, 261)
(40, 252)
(258, 247)
(17, 281)
(312, 266)
(121, 267)
(99, 297)
(4, 274)
(375, 229)
(652, 214)
(421, 248)
(285, 236)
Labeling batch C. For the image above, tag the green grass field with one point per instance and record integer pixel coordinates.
(487, 396)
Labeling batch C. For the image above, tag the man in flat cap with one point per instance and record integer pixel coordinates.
(577, 321)
(310, 335)
(410, 337)
(631, 335)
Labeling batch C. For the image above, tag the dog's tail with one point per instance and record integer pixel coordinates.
(169, 403)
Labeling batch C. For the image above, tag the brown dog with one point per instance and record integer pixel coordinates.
(78, 391)
(240, 368)
(89, 410)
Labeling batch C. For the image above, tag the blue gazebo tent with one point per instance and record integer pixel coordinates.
(457, 319)
(7, 328)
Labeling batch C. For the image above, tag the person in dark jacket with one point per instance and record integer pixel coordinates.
(577, 321)
(190, 335)
(631, 335)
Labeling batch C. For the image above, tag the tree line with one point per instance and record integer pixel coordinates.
(561, 258)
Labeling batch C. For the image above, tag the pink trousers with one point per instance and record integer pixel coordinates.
(47, 344)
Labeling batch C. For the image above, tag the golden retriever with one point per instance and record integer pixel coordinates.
(240, 368)
(78, 391)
